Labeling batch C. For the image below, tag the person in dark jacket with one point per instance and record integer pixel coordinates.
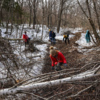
(87, 36)
(52, 36)
(57, 59)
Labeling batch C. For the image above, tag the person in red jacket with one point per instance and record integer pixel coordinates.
(57, 59)
(26, 38)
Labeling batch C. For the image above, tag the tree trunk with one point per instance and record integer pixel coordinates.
(97, 15)
(30, 7)
(34, 14)
(59, 16)
(42, 18)
(90, 21)
(19, 89)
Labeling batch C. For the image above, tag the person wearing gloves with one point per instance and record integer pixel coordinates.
(57, 59)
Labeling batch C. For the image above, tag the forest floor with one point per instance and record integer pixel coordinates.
(75, 59)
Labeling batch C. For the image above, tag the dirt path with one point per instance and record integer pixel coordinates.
(74, 59)
(69, 51)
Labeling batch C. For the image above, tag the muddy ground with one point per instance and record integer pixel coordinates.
(75, 59)
(73, 56)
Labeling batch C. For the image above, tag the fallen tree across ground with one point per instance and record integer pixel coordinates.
(23, 88)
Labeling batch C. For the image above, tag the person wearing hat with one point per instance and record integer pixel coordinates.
(57, 59)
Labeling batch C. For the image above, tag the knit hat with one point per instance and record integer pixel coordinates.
(52, 51)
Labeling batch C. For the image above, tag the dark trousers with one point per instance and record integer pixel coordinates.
(58, 66)
(27, 42)
(66, 40)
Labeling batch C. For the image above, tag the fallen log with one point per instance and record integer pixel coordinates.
(19, 89)
(15, 39)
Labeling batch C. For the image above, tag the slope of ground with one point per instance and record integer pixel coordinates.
(78, 90)
(75, 59)
(70, 52)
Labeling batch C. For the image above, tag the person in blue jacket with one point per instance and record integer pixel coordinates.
(52, 36)
(87, 36)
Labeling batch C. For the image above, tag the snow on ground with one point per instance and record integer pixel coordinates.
(2, 71)
(36, 69)
(24, 58)
(72, 30)
(82, 41)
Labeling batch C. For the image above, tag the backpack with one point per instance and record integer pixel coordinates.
(54, 34)
(65, 36)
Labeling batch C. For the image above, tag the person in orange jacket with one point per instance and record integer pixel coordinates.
(26, 38)
(57, 59)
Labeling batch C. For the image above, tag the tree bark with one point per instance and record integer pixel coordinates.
(90, 21)
(30, 7)
(97, 15)
(59, 16)
(34, 14)
(19, 89)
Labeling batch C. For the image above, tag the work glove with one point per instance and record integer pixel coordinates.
(52, 67)
(65, 65)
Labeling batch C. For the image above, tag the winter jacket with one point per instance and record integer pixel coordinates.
(25, 37)
(60, 58)
(50, 34)
(87, 36)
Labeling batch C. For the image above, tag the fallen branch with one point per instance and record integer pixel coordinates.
(60, 93)
(75, 95)
(16, 39)
(34, 95)
(79, 92)
(82, 76)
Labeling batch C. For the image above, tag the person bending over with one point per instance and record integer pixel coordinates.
(57, 59)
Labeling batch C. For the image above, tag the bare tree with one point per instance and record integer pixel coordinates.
(1, 3)
(89, 17)
(61, 9)
(30, 7)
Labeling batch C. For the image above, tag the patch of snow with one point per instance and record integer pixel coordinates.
(82, 41)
